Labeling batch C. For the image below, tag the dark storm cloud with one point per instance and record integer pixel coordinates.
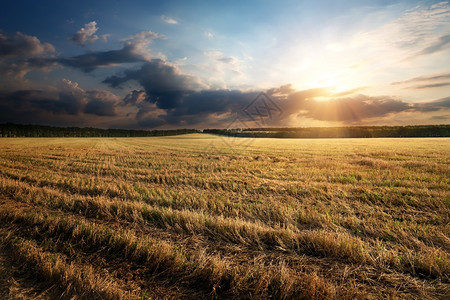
(201, 106)
(85, 34)
(216, 107)
(133, 51)
(101, 103)
(25, 106)
(21, 53)
(151, 122)
(21, 44)
(91, 61)
(134, 97)
(164, 84)
(195, 107)
(204, 108)
(130, 53)
(173, 98)
(29, 105)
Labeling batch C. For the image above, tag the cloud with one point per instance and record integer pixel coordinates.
(101, 103)
(219, 56)
(209, 34)
(67, 101)
(230, 63)
(353, 109)
(197, 105)
(423, 78)
(418, 26)
(91, 61)
(208, 107)
(442, 103)
(85, 34)
(170, 97)
(169, 20)
(421, 30)
(21, 53)
(20, 67)
(96, 102)
(163, 83)
(20, 45)
(134, 98)
(105, 37)
(348, 110)
(426, 82)
(349, 92)
(441, 44)
(196, 108)
(134, 50)
(441, 118)
(434, 105)
(417, 29)
(141, 40)
(345, 110)
(181, 100)
(429, 86)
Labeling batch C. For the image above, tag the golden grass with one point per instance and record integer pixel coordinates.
(200, 216)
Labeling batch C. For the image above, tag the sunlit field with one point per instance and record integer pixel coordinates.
(201, 216)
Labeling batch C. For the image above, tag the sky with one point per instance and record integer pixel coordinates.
(224, 64)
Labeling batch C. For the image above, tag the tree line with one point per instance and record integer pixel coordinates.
(18, 130)
(338, 132)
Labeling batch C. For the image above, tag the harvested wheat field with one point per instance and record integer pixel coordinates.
(200, 216)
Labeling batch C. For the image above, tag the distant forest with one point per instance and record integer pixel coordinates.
(16, 130)
(338, 132)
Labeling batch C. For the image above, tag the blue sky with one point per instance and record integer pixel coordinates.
(172, 64)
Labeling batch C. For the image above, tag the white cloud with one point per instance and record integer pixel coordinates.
(86, 34)
(372, 57)
(105, 37)
(223, 70)
(141, 40)
(414, 33)
(169, 20)
(220, 57)
(144, 37)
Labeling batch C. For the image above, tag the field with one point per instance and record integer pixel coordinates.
(200, 216)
